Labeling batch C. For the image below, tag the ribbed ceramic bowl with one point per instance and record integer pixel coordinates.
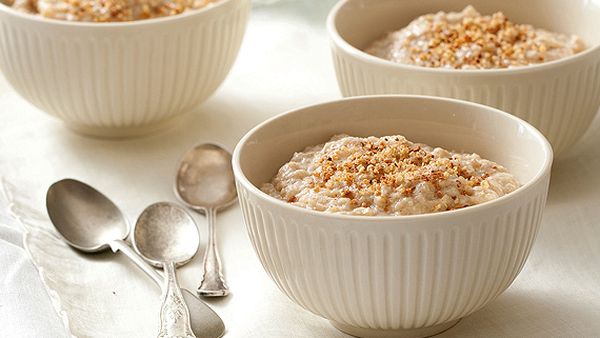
(559, 98)
(395, 276)
(121, 79)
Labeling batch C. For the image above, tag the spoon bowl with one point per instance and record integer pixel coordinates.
(164, 232)
(85, 218)
(205, 178)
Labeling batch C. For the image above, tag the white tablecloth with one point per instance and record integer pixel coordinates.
(284, 63)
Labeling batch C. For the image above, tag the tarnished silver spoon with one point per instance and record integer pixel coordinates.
(90, 222)
(205, 183)
(166, 234)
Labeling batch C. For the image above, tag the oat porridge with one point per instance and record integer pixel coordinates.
(387, 176)
(107, 10)
(469, 40)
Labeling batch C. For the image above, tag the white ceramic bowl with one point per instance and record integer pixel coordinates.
(395, 276)
(121, 79)
(559, 98)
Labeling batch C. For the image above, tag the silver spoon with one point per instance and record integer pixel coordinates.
(205, 183)
(90, 222)
(165, 233)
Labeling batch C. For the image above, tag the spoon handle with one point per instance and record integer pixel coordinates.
(174, 313)
(120, 245)
(213, 283)
(204, 321)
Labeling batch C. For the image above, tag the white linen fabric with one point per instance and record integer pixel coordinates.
(284, 63)
(25, 309)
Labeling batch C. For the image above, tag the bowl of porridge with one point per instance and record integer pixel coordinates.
(393, 216)
(119, 68)
(539, 62)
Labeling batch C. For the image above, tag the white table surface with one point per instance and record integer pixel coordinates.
(284, 63)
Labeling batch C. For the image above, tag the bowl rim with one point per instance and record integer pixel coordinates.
(110, 25)
(543, 172)
(374, 60)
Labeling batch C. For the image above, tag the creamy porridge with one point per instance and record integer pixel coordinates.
(469, 40)
(387, 176)
(107, 10)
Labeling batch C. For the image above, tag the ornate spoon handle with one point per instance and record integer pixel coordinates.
(213, 283)
(174, 314)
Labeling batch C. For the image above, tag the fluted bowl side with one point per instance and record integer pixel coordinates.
(121, 79)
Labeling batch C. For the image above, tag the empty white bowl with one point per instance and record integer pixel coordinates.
(395, 276)
(125, 78)
(560, 98)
